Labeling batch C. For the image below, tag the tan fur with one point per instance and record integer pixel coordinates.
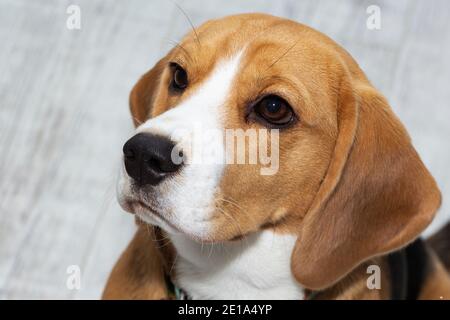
(354, 285)
(139, 273)
(350, 184)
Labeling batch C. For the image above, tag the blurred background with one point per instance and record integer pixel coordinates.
(64, 114)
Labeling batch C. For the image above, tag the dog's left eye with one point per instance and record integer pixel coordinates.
(179, 77)
(274, 110)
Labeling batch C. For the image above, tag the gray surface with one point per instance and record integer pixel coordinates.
(64, 115)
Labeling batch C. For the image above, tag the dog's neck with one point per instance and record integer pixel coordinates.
(255, 267)
(258, 267)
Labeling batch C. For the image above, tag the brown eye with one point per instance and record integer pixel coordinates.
(179, 79)
(274, 110)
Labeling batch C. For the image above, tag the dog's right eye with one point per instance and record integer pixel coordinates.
(179, 77)
(274, 111)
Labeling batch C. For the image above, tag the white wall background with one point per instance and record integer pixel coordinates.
(64, 114)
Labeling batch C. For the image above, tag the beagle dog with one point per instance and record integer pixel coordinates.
(349, 193)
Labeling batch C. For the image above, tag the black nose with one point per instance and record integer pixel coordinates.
(148, 158)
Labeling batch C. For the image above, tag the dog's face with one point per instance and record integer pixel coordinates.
(331, 146)
(229, 78)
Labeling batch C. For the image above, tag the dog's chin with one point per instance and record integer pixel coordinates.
(148, 215)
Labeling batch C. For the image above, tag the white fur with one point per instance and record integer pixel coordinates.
(256, 267)
(187, 199)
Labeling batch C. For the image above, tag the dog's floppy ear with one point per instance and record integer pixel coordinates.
(143, 93)
(377, 195)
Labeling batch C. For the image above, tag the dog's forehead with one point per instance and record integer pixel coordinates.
(219, 37)
(270, 46)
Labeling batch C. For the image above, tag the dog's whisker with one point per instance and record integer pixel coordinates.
(190, 23)
(162, 239)
(211, 250)
(231, 202)
(179, 46)
(283, 55)
(173, 263)
(227, 215)
(243, 243)
(151, 234)
(164, 244)
(138, 122)
(240, 209)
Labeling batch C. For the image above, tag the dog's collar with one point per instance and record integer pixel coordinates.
(311, 295)
(408, 270)
(175, 292)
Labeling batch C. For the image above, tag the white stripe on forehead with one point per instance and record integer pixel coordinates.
(203, 106)
(190, 195)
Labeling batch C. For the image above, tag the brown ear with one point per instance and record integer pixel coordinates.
(377, 195)
(143, 93)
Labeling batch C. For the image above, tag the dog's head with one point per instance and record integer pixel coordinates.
(331, 162)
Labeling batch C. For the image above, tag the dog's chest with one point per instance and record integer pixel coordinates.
(257, 267)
